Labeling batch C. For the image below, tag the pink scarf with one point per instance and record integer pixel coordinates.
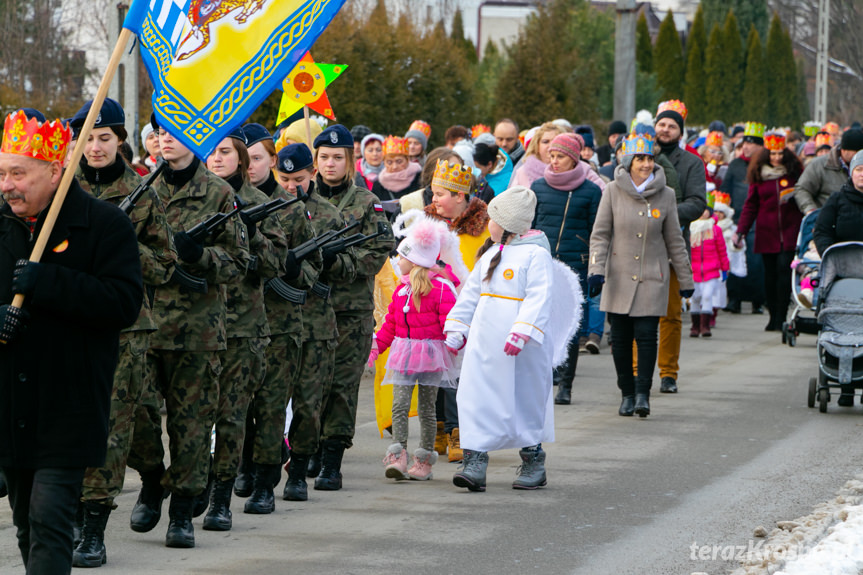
(566, 181)
(399, 181)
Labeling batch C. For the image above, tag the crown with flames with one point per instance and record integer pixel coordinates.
(452, 177)
(774, 140)
(395, 146)
(832, 128)
(823, 139)
(28, 137)
(811, 128)
(421, 126)
(720, 198)
(714, 140)
(674, 106)
(638, 144)
(754, 129)
(479, 129)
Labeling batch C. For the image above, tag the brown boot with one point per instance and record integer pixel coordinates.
(440, 439)
(455, 452)
(705, 324)
(695, 330)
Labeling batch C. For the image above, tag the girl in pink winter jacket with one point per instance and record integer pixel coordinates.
(709, 271)
(413, 330)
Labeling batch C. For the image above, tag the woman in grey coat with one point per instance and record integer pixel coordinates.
(635, 234)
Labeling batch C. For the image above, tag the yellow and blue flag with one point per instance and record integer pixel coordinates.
(212, 62)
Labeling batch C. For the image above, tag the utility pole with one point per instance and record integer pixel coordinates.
(624, 61)
(124, 88)
(822, 61)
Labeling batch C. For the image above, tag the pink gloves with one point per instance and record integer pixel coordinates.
(374, 353)
(515, 343)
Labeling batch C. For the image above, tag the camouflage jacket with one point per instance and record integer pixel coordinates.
(360, 263)
(155, 245)
(268, 248)
(188, 320)
(287, 318)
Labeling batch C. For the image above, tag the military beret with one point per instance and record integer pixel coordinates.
(336, 136)
(238, 134)
(293, 158)
(111, 114)
(255, 133)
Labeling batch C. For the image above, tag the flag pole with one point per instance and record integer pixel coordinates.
(69, 173)
(308, 126)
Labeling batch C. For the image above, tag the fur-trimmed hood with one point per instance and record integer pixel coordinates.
(473, 222)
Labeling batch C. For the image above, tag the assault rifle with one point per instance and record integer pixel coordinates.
(129, 202)
(305, 249)
(199, 233)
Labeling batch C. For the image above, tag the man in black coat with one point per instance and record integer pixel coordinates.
(60, 350)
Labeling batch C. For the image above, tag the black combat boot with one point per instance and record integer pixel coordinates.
(202, 500)
(90, 552)
(218, 517)
(245, 478)
(330, 478)
(295, 487)
(181, 533)
(263, 500)
(148, 509)
(78, 526)
(314, 467)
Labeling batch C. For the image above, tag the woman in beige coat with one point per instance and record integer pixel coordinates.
(635, 233)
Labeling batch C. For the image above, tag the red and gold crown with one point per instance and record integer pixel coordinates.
(823, 139)
(774, 141)
(714, 140)
(395, 146)
(831, 128)
(421, 126)
(452, 177)
(46, 142)
(674, 106)
(721, 198)
(479, 129)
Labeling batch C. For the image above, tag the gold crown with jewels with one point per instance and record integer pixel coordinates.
(638, 144)
(774, 141)
(46, 141)
(452, 177)
(395, 146)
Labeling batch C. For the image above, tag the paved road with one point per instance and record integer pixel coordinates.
(736, 448)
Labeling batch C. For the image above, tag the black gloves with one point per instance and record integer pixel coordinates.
(331, 251)
(687, 293)
(292, 266)
(13, 322)
(594, 285)
(251, 225)
(188, 249)
(24, 277)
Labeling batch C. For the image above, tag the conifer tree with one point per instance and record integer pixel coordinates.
(695, 83)
(782, 85)
(713, 71)
(458, 38)
(732, 69)
(490, 68)
(755, 81)
(643, 46)
(668, 59)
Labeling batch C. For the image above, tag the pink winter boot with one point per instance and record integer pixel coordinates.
(396, 461)
(422, 464)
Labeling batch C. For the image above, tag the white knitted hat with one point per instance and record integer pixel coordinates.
(513, 209)
(427, 240)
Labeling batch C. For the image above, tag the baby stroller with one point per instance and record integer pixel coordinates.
(804, 284)
(840, 313)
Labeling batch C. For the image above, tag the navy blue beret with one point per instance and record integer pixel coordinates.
(293, 158)
(336, 136)
(256, 133)
(111, 114)
(238, 134)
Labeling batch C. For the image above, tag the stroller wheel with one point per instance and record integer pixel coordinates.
(784, 332)
(813, 385)
(823, 398)
(792, 339)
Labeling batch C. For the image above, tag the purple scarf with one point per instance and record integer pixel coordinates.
(566, 181)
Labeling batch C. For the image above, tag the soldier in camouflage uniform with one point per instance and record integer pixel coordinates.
(315, 373)
(104, 174)
(183, 359)
(352, 299)
(267, 414)
(243, 362)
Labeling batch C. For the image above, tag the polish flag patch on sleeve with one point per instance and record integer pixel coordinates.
(379, 208)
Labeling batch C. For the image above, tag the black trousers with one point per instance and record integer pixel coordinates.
(44, 502)
(643, 330)
(447, 408)
(777, 285)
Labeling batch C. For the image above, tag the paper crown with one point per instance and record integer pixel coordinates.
(823, 139)
(714, 140)
(754, 129)
(395, 146)
(45, 141)
(674, 106)
(831, 127)
(479, 129)
(638, 144)
(421, 126)
(774, 141)
(454, 178)
(720, 198)
(811, 128)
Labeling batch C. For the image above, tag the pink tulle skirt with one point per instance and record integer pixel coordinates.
(423, 362)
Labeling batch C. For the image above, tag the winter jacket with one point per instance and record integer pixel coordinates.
(734, 184)
(823, 176)
(840, 219)
(427, 323)
(776, 226)
(566, 217)
(692, 200)
(633, 238)
(709, 257)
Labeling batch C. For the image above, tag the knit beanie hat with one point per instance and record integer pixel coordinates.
(857, 160)
(145, 133)
(371, 138)
(568, 144)
(616, 127)
(513, 209)
(852, 140)
(418, 136)
(428, 240)
(360, 131)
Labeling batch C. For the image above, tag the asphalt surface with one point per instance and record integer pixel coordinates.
(735, 449)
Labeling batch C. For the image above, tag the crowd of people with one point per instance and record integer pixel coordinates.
(232, 289)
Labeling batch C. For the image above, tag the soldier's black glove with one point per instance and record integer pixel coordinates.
(686, 293)
(331, 251)
(188, 249)
(292, 266)
(24, 276)
(13, 322)
(251, 225)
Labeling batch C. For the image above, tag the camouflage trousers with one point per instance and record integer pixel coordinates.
(339, 410)
(147, 452)
(313, 381)
(189, 382)
(105, 483)
(243, 368)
